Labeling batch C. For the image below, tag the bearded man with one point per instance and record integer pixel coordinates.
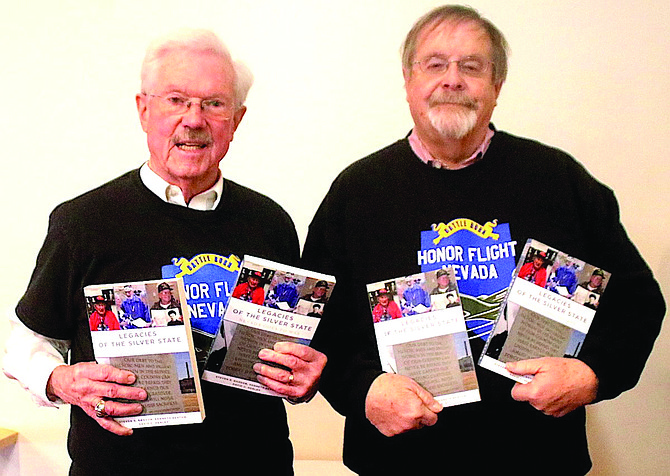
(462, 175)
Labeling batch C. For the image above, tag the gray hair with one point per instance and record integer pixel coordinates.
(195, 40)
(458, 14)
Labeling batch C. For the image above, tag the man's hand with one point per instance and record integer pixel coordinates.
(559, 385)
(305, 365)
(85, 383)
(396, 404)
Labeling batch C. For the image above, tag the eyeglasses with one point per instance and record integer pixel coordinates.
(471, 66)
(177, 104)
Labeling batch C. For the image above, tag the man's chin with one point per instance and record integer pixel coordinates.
(453, 126)
(187, 171)
(453, 131)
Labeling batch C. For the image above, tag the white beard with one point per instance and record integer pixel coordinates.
(453, 124)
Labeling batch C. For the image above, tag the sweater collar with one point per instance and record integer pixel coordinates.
(422, 152)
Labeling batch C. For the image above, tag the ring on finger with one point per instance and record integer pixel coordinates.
(291, 378)
(99, 409)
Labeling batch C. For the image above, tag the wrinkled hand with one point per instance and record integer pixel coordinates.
(85, 383)
(300, 383)
(559, 385)
(396, 404)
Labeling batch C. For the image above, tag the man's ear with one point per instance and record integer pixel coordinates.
(407, 76)
(141, 102)
(498, 87)
(237, 117)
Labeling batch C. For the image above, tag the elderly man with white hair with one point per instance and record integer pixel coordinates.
(191, 102)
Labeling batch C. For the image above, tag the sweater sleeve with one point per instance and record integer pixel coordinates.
(631, 308)
(344, 335)
(45, 306)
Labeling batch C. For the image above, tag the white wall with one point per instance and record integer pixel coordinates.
(589, 77)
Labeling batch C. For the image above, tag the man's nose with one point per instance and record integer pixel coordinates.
(452, 78)
(194, 115)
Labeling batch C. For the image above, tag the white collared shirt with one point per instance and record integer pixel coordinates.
(204, 201)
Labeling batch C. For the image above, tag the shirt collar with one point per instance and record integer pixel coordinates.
(422, 152)
(204, 201)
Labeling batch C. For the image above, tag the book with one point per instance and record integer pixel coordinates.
(271, 302)
(144, 327)
(547, 311)
(422, 334)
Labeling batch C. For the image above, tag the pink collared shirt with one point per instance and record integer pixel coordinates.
(422, 152)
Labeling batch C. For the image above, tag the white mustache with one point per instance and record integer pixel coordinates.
(198, 136)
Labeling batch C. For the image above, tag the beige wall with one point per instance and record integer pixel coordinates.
(589, 77)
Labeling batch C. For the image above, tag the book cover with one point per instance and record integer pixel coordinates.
(547, 311)
(144, 327)
(209, 279)
(271, 302)
(421, 333)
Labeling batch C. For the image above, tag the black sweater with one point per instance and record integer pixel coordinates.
(122, 232)
(370, 227)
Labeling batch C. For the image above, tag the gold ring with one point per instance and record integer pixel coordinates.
(100, 409)
(291, 377)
